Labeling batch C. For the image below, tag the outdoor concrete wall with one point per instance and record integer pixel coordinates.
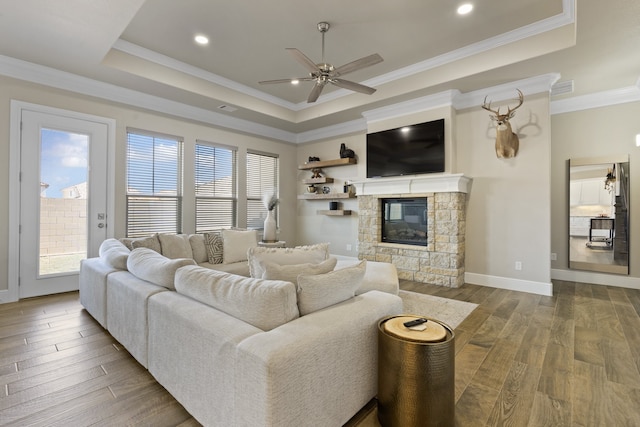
(63, 226)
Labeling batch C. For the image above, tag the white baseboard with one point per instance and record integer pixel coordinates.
(7, 296)
(540, 288)
(596, 278)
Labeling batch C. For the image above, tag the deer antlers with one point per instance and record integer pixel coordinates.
(510, 111)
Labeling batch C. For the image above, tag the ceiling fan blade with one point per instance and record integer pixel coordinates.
(303, 59)
(356, 87)
(301, 79)
(315, 92)
(367, 61)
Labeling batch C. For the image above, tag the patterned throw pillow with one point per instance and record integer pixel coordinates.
(213, 243)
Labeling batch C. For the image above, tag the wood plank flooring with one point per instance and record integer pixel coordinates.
(521, 360)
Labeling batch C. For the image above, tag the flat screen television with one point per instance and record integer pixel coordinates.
(409, 150)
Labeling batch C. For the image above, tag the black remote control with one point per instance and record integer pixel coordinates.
(415, 322)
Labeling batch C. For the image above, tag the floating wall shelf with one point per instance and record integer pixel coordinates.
(329, 196)
(323, 180)
(335, 213)
(328, 163)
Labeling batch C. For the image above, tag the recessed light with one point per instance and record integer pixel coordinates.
(295, 82)
(405, 129)
(465, 8)
(638, 140)
(201, 39)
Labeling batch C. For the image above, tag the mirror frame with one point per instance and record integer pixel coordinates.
(592, 266)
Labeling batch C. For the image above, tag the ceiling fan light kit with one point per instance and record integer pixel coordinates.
(324, 73)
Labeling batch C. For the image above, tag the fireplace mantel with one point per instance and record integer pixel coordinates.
(415, 184)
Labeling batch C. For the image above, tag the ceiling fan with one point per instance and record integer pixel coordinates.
(324, 73)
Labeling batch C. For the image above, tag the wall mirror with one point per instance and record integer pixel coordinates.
(599, 214)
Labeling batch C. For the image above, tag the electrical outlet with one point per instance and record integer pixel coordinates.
(518, 265)
(554, 256)
(348, 246)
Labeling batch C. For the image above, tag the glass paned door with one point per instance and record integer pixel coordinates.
(63, 201)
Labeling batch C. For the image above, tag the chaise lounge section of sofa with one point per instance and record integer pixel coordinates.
(248, 351)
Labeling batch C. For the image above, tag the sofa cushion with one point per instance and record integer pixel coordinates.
(239, 268)
(265, 304)
(313, 254)
(235, 245)
(290, 273)
(213, 243)
(114, 253)
(175, 245)
(147, 264)
(198, 248)
(323, 290)
(151, 242)
(380, 276)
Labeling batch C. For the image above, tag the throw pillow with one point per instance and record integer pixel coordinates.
(323, 290)
(149, 265)
(114, 253)
(175, 246)
(213, 243)
(151, 242)
(313, 254)
(235, 245)
(290, 273)
(198, 248)
(265, 304)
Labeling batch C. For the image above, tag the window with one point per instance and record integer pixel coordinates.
(154, 183)
(216, 198)
(262, 176)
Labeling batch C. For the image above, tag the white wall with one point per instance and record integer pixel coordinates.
(594, 133)
(130, 117)
(340, 231)
(508, 216)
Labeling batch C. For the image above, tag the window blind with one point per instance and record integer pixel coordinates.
(215, 187)
(154, 184)
(262, 176)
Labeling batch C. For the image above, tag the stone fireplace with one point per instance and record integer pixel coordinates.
(441, 261)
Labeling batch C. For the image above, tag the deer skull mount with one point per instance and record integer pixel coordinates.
(507, 142)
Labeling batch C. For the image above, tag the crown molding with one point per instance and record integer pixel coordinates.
(424, 103)
(596, 100)
(460, 101)
(566, 17)
(174, 64)
(503, 92)
(22, 70)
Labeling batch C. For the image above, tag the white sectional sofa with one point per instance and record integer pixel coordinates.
(254, 351)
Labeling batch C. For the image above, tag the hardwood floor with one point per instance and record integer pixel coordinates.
(521, 360)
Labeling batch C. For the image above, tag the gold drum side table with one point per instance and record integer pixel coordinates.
(416, 373)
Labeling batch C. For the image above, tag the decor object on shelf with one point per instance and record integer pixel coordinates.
(311, 189)
(326, 189)
(314, 159)
(346, 153)
(316, 173)
(324, 73)
(333, 206)
(270, 201)
(507, 142)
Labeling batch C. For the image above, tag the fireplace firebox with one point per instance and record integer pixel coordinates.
(404, 221)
